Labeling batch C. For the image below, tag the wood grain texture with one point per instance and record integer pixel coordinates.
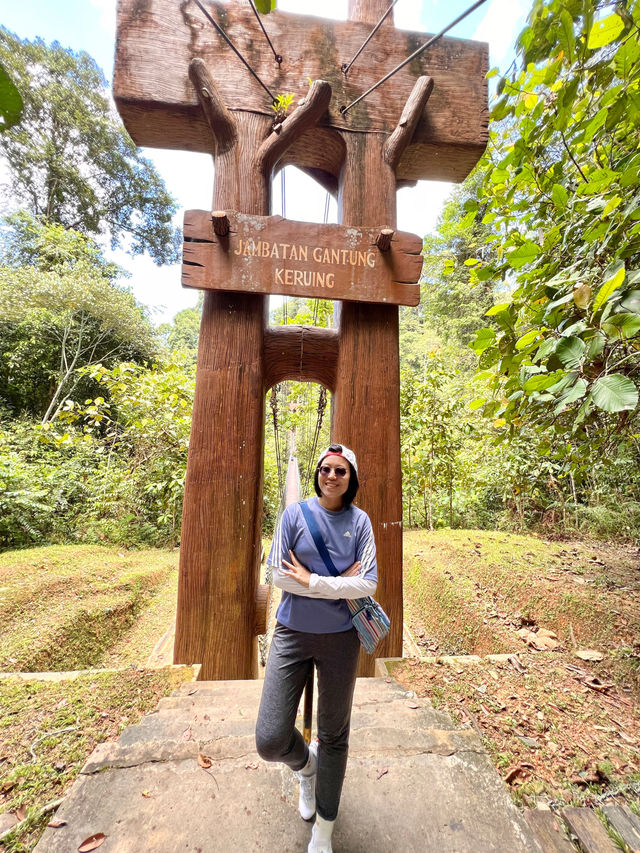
(548, 830)
(263, 598)
(366, 403)
(626, 824)
(157, 39)
(301, 354)
(588, 828)
(277, 256)
(218, 605)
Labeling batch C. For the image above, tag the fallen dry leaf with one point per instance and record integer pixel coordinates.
(92, 842)
(511, 775)
(187, 734)
(515, 663)
(596, 684)
(382, 772)
(203, 761)
(55, 823)
(589, 654)
(542, 640)
(413, 705)
(21, 812)
(146, 794)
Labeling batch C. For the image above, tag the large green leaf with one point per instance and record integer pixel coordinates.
(527, 339)
(614, 393)
(542, 381)
(497, 309)
(484, 338)
(611, 283)
(265, 6)
(622, 325)
(575, 393)
(571, 352)
(525, 254)
(559, 195)
(10, 101)
(605, 31)
(631, 302)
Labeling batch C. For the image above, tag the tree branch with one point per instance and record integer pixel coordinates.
(413, 109)
(306, 115)
(220, 120)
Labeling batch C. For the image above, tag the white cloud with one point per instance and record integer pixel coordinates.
(328, 8)
(419, 207)
(501, 24)
(159, 288)
(107, 9)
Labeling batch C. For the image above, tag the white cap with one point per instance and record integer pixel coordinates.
(349, 455)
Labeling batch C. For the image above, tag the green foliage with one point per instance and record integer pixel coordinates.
(562, 192)
(52, 323)
(138, 434)
(182, 334)
(70, 161)
(282, 104)
(42, 485)
(36, 242)
(265, 6)
(455, 290)
(432, 430)
(10, 101)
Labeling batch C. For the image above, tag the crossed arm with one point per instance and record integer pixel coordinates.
(295, 578)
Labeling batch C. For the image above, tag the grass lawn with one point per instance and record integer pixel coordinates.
(70, 607)
(48, 730)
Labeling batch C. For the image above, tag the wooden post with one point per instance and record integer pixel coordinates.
(368, 375)
(219, 603)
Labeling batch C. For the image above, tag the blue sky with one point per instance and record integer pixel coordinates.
(90, 25)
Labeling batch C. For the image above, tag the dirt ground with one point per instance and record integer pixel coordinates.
(561, 715)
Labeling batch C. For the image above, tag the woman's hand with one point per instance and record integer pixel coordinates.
(352, 571)
(297, 571)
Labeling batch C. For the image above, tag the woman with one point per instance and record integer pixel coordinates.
(314, 627)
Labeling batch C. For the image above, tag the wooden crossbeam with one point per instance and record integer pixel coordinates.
(159, 105)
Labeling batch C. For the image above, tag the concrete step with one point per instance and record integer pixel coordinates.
(414, 783)
(207, 716)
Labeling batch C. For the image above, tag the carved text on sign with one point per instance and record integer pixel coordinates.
(269, 254)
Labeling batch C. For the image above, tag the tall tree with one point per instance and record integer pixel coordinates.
(60, 312)
(71, 161)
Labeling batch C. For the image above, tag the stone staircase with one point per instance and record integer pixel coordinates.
(414, 783)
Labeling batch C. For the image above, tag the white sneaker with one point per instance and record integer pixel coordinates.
(317, 846)
(307, 796)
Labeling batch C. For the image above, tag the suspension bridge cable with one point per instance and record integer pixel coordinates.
(233, 48)
(417, 52)
(277, 56)
(347, 65)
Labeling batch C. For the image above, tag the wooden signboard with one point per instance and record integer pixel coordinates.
(269, 254)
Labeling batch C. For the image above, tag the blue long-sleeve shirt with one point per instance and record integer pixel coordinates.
(321, 608)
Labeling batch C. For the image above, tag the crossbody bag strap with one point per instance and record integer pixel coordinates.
(314, 530)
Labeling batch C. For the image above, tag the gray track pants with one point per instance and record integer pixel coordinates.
(277, 739)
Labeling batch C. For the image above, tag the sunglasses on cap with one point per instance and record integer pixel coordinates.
(325, 470)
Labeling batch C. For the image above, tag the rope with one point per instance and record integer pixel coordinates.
(233, 48)
(347, 65)
(283, 205)
(322, 405)
(277, 56)
(274, 413)
(417, 52)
